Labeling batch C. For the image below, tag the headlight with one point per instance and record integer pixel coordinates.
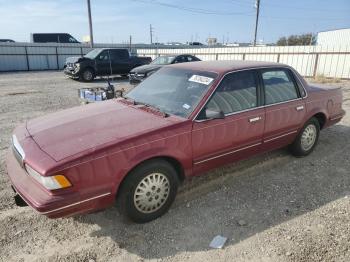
(17, 146)
(49, 182)
(140, 75)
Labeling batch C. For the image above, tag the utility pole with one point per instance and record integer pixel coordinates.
(257, 6)
(151, 33)
(130, 40)
(90, 25)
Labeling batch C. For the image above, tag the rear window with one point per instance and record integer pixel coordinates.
(119, 54)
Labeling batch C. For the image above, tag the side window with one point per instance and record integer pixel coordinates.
(279, 87)
(119, 54)
(189, 58)
(180, 59)
(103, 56)
(72, 40)
(237, 92)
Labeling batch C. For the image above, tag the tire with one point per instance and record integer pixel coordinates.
(87, 75)
(148, 191)
(307, 138)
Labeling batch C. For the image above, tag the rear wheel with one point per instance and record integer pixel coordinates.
(88, 75)
(148, 191)
(307, 139)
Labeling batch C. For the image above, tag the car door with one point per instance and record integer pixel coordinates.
(121, 63)
(239, 133)
(285, 108)
(103, 63)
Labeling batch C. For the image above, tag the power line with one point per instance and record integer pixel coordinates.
(290, 7)
(248, 14)
(191, 9)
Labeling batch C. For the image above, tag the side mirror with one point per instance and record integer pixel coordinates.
(211, 114)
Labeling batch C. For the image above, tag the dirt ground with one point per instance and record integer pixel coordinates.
(273, 207)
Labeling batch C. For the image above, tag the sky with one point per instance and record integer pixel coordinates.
(173, 20)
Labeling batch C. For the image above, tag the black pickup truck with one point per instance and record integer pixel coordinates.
(103, 62)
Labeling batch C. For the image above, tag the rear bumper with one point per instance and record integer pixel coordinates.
(336, 118)
(47, 203)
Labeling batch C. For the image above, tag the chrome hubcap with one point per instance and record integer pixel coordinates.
(151, 193)
(308, 137)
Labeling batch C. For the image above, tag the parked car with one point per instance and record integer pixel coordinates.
(138, 74)
(102, 62)
(183, 120)
(195, 43)
(53, 38)
(7, 41)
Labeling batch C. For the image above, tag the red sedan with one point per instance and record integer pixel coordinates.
(180, 122)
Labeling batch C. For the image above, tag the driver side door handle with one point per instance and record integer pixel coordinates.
(254, 119)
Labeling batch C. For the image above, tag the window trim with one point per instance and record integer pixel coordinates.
(260, 87)
(288, 74)
(258, 93)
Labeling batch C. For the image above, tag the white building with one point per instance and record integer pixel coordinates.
(338, 37)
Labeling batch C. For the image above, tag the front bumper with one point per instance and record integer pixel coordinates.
(49, 204)
(71, 72)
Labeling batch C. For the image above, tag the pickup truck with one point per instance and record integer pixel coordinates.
(102, 62)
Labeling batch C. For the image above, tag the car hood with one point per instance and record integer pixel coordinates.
(85, 129)
(76, 59)
(145, 69)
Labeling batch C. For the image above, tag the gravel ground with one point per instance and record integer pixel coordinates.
(273, 207)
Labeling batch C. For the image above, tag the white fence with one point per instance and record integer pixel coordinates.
(308, 60)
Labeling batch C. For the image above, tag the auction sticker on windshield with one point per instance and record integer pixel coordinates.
(201, 79)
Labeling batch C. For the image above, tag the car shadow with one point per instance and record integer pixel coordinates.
(238, 200)
(120, 79)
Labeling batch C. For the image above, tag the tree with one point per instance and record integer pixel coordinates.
(282, 41)
(304, 39)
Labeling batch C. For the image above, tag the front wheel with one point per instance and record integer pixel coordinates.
(148, 191)
(87, 75)
(307, 139)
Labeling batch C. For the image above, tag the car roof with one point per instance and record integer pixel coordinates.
(221, 67)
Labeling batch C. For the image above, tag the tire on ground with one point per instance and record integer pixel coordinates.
(304, 144)
(134, 188)
(87, 75)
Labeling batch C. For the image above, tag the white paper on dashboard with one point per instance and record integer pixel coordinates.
(201, 79)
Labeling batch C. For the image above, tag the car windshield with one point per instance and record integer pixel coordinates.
(173, 90)
(93, 53)
(163, 60)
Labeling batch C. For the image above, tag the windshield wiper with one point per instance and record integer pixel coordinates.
(150, 106)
